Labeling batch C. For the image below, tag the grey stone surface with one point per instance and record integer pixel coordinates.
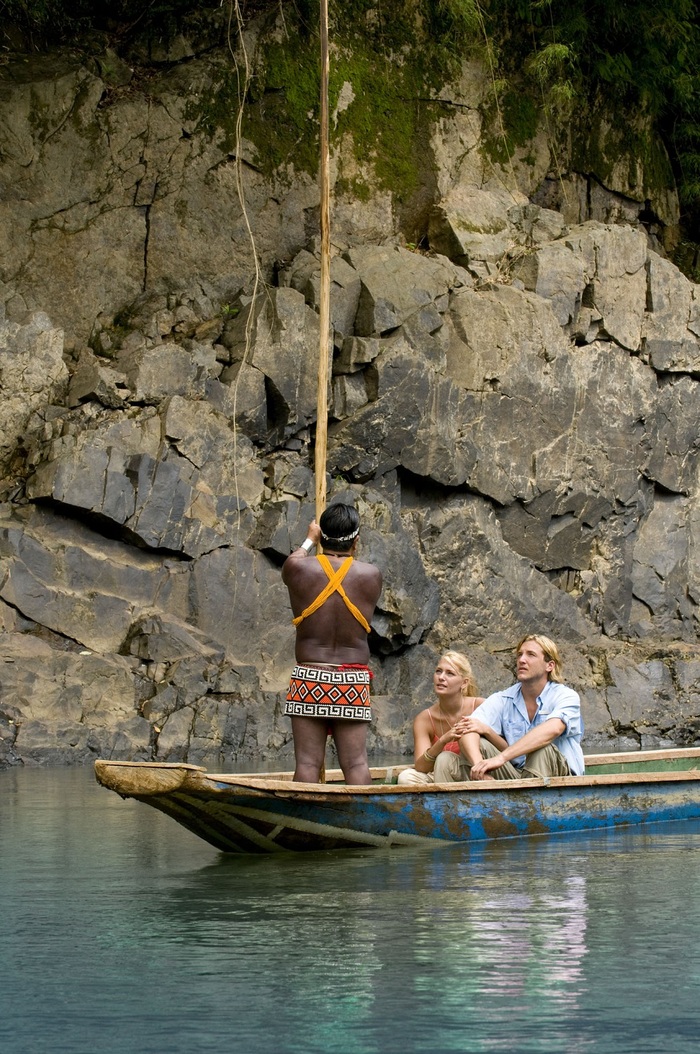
(397, 284)
(32, 375)
(278, 334)
(304, 275)
(672, 324)
(613, 260)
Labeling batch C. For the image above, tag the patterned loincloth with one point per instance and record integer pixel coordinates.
(329, 692)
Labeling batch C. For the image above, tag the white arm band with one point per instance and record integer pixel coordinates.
(307, 546)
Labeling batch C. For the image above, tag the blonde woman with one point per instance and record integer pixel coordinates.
(437, 729)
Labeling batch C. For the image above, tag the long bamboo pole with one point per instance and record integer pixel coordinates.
(324, 307)
(325, 288)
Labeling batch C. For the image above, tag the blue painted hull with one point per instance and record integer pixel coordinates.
(249, 814)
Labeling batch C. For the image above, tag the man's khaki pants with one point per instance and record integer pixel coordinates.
(547, 761)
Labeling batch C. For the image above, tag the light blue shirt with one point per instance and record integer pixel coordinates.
(505, 712)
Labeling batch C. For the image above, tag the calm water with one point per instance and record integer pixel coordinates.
(120, 932)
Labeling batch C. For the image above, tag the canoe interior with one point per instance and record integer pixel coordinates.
(676, 759)
(671, 764)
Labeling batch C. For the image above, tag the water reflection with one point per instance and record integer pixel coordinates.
(123, 932)
(386, 941)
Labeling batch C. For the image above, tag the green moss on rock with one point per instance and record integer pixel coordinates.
(393, 65)
(514, 122)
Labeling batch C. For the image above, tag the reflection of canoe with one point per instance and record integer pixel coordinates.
(269, 813)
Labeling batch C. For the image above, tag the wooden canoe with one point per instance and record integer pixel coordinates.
(254, 813)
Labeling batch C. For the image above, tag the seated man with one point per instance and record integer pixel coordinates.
(538, 717)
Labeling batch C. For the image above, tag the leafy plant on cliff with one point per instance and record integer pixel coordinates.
(43, 23)
(638, 54)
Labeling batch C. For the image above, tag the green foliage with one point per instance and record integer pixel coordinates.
(58, 13)
(459, 20)
(551, 67)
(687, 258)
(395, 59)
(641, 54)
(50, 22)
(37, 16)
(282, 115)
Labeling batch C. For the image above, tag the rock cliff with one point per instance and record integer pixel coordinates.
(514, 405)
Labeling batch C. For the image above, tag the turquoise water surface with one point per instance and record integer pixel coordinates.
(123, 933)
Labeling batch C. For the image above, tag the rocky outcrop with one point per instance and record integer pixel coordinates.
(513, 411)
(516, 466)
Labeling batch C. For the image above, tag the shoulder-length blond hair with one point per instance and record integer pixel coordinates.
(461, 663)
(551, 653)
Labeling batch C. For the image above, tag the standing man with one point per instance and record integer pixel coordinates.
(333, 598)
(538, 717)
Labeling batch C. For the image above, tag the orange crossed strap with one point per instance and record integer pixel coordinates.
(334, 586)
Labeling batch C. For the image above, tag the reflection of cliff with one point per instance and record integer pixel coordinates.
(375, 949)
(502, 941)
(513, 409)
(539, 944)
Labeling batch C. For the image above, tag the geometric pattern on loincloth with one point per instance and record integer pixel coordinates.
(329, 692)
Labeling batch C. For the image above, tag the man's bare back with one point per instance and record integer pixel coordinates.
(332, 634)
